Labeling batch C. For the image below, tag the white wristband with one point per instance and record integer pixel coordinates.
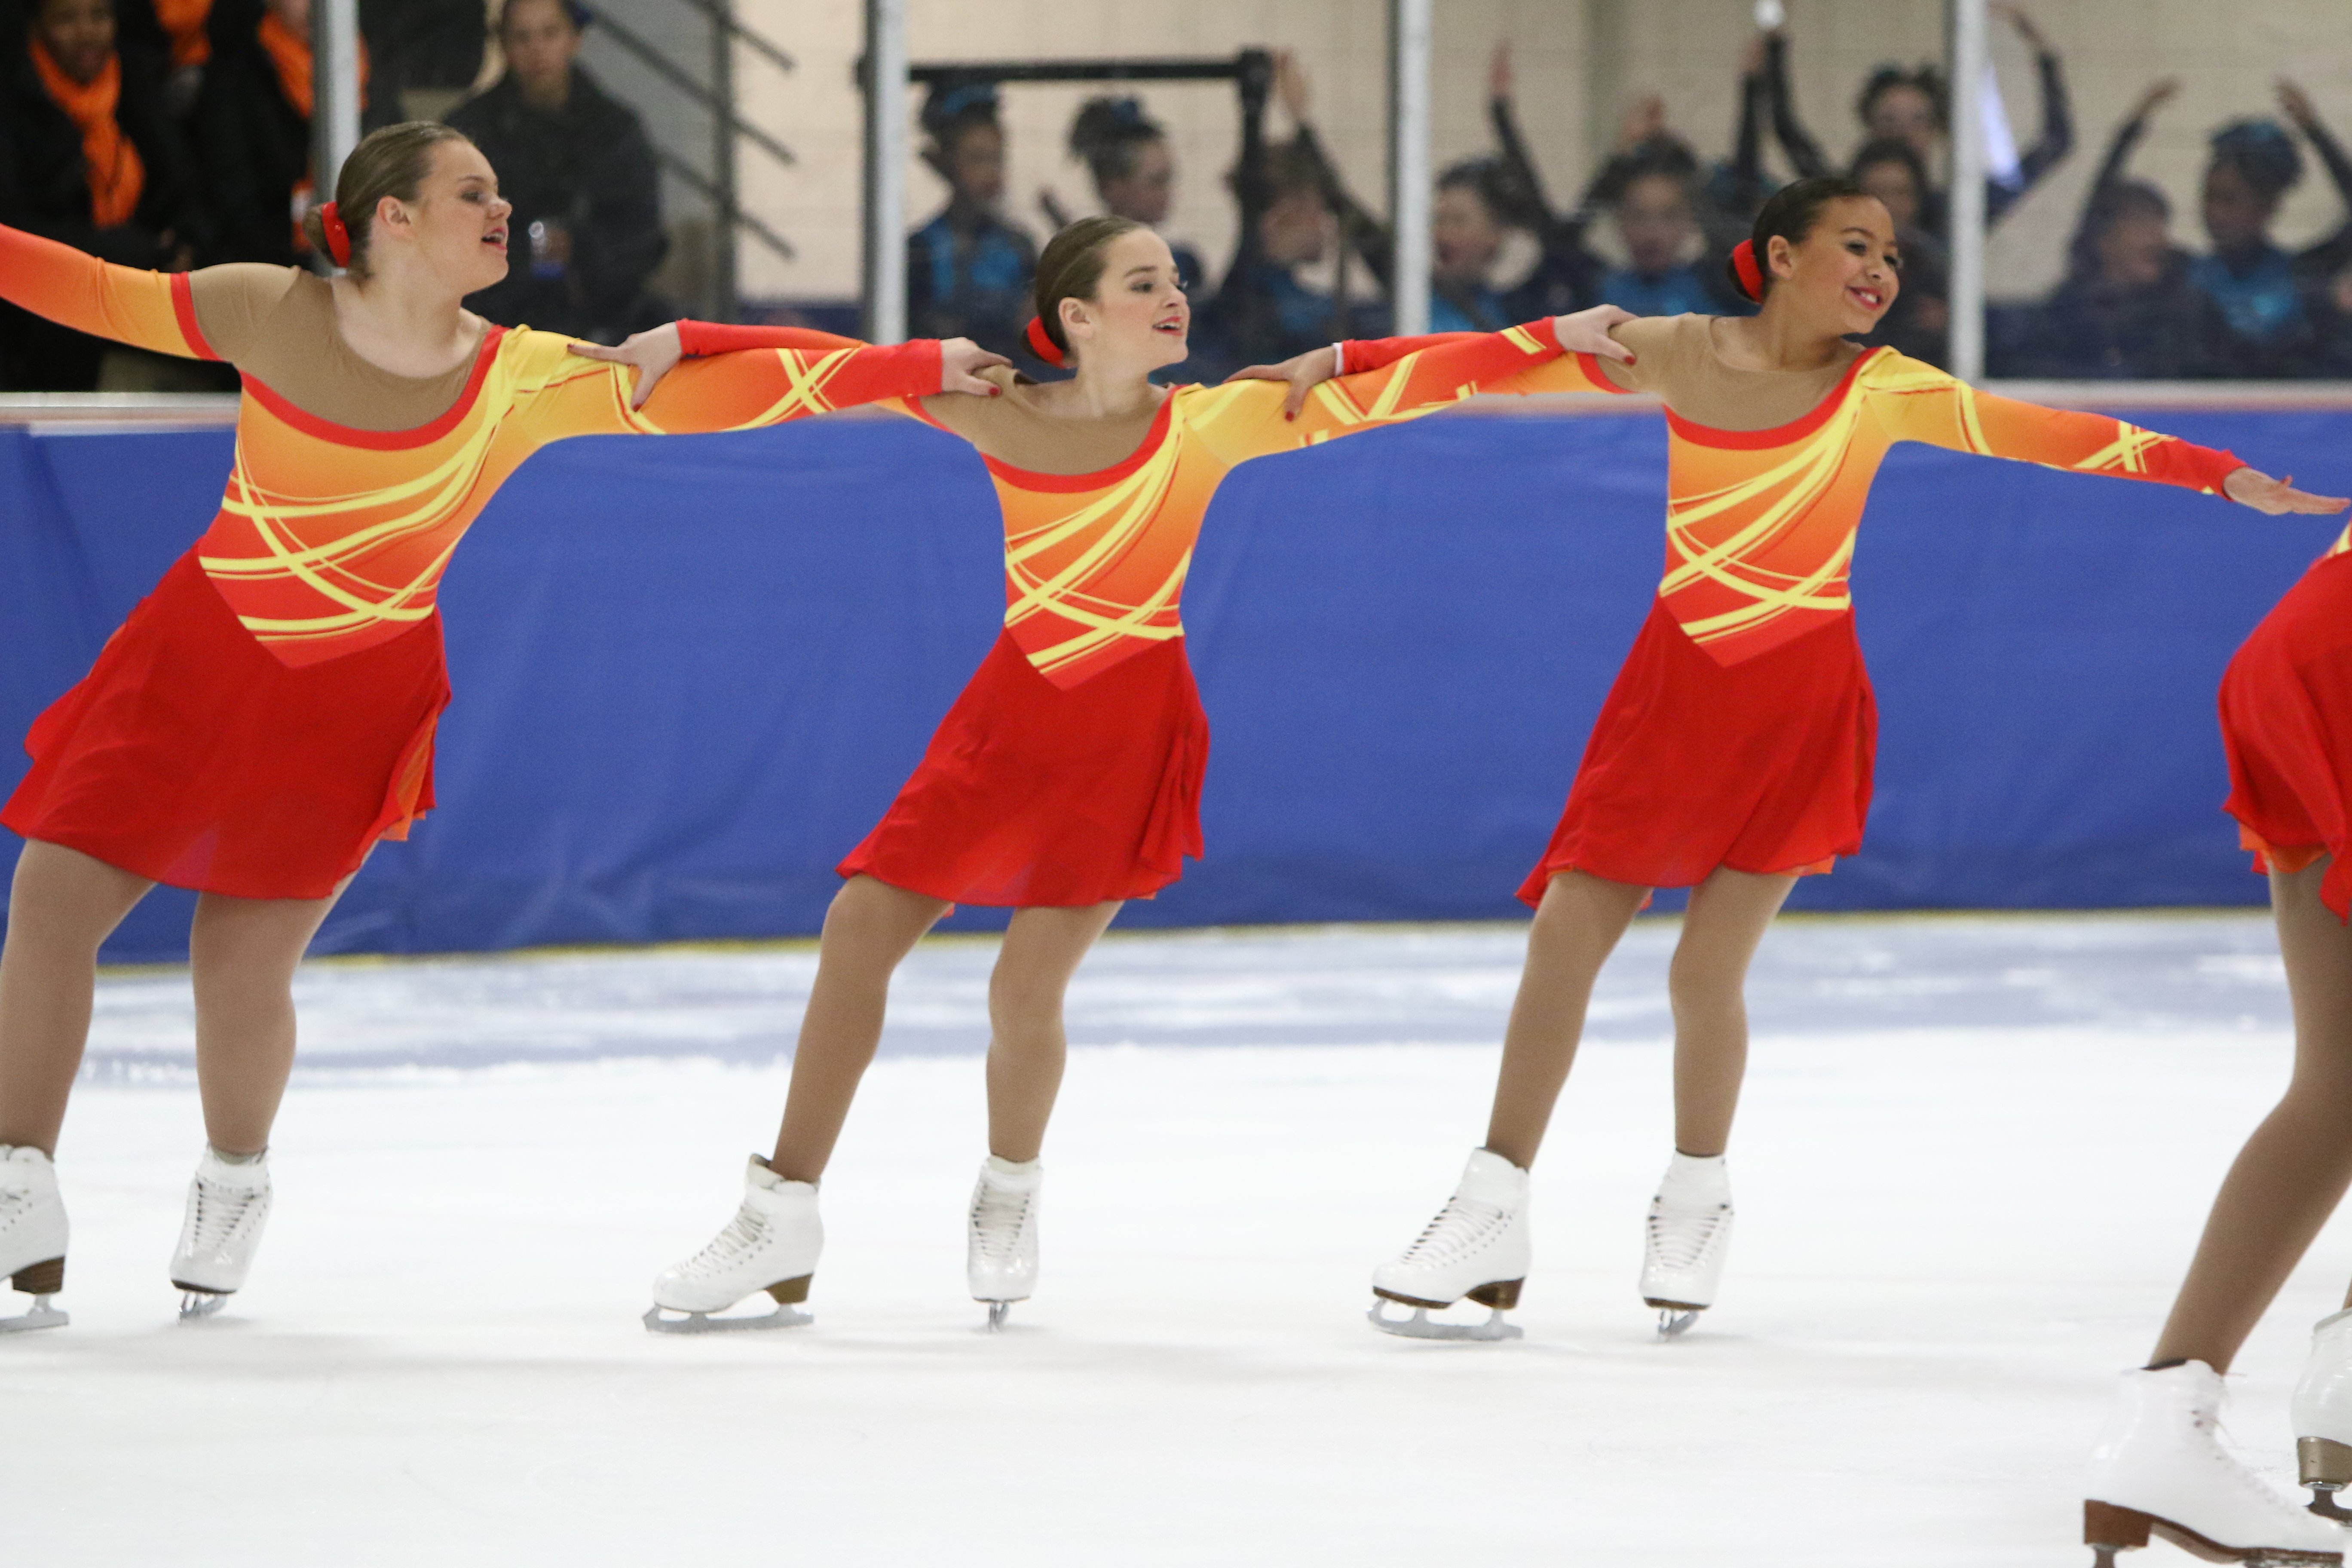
(1338, 359)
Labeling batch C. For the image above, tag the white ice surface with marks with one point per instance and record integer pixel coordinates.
(1970, 1166)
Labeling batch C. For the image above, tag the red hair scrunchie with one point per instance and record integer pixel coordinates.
(1751, 277)
(339, 238)
(1041, 344)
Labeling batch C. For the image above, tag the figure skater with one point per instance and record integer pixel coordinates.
(267, 714)
(1734, 752)
(1067, 779)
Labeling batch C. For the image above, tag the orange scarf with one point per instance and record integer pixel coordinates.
(116, 174)
(184, 20)
(290, 53)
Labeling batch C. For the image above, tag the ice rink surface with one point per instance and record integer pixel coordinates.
(1971, 1163)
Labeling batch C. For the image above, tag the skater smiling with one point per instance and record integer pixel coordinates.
(1734, 754)
(267, 713)
(1066, 778)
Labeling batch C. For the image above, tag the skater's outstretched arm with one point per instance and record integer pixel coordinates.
(1916, 402)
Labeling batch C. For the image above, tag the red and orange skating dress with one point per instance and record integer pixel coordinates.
(2286, 724)
(267, 712)
(1068, 772)
(1741, 731)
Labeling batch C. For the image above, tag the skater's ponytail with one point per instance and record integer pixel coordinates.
(1071, 269)
(1790, 214)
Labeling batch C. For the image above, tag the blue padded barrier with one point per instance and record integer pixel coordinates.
(691, 672)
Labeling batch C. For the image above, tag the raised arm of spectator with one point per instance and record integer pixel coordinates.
(1360, 229)
(1804, 155)
(2111, 167)
(2332, 253)
(2057, 137)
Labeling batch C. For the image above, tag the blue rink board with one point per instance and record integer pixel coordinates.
(691, 672)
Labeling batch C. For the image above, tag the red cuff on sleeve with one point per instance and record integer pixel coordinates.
(699, 338)
(183, 309)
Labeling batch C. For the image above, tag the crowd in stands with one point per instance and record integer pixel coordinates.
(177, 133)
(172, 133)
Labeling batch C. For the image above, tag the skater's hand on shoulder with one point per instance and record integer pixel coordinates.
(960, 363)
(654, 355)
(1303, 372)
(2250, 486)
(1587, 332)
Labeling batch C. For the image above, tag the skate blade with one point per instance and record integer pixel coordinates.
(997, 1312)
(2323, 1504)
(41, 1316)
(704, 1323)
(1419, 1327)
(196, 1306)
(1674, 1322)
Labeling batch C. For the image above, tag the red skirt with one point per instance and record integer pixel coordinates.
(2286, 724)
(1764, 766)
(190, 755)
(1033, 796)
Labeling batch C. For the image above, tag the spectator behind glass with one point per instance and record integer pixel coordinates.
(1649, 185)
(968, 270)
(1265, 311)
(87, 156)
(2127, 310)
(1658, 225)
(1134, 171)
(2260, 287)
(252, 125)
(1912, 107)
(176, 32)
(1921, 317)
(587, 225)
(1466, 233)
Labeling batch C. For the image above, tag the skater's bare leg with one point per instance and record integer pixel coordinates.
(1729, 913)
(242, 953)
(1027, 1045)
(1577, 926)
(2293, 1171)
(61, 906)
(870, 930)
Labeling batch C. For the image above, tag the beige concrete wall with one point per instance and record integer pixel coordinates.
(1578, 62)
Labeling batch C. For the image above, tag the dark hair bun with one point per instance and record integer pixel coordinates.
(2263, 152)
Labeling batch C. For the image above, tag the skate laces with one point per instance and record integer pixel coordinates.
(1461, 1227)
(1681, 1237)
(220, 1213)
(743, 1234)
(998, 1218)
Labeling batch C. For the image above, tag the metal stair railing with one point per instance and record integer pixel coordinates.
(720, 186)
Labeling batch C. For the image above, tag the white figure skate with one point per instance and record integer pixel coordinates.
(770, 1245)
(1475, 1249)
(228, 1205)
(1686, 1241)
(2160, 1469)
(32, 1235)
(2323, 1415)
(1001, 1257)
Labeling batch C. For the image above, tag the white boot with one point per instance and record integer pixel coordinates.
(1001, 1259)
(770, 1245)
(1686, 1241)
(32, 1235)
(2323, 1415)
(1475, 1249)
(228, 1205)
(2161, 1468)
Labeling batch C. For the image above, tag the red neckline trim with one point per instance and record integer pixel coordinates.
(1779, 435)
(183, 309)
(1029, 480)
(385, 440)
